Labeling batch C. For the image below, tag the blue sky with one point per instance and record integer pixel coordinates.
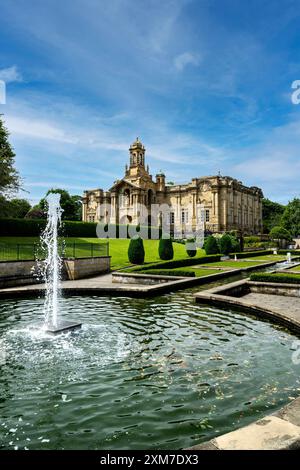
(205, 84)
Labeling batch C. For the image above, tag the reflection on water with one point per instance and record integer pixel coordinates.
(154, 373)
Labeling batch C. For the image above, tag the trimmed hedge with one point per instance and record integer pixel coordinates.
(278, 278)
(21, 227)
(180, 263)
(165, 249)
(191, 247)
(284, 252)
(167, 272)
(136, 252)
(34, 227)
(250, 254)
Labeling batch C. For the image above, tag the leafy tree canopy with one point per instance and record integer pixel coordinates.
(280, 233)
(272, 213)
(71, 205)
(291, 217)
(14, 208)
(9, 177)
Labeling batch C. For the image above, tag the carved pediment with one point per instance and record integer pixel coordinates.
(205, 185)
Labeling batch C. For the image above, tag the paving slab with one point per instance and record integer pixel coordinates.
(271, 433)
(278, 303)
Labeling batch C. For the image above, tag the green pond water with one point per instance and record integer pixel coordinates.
(162, 373)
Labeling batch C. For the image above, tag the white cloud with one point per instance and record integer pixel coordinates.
(187, 58)
(37, 129)
(10, 74)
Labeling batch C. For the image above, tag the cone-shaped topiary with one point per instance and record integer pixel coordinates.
(136, 252)
(165, 249)
(225, 244)
(191, 247)
(211, 246)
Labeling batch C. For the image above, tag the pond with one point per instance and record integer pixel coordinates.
(162, 373)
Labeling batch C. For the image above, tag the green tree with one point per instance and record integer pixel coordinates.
(19, 208)
(9, 177)
(14, 208)
(71, 205)
(272, 213)
(235, 244)
(211, 246)
(165, 249)
(4, 207)
(191, 247)
(280, 233)
(35, 213)
(136, 251)
(291, 217)
(226, 244)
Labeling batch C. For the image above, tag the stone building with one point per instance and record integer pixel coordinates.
(223, 203)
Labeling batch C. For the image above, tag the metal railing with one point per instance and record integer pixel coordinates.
(31, 251)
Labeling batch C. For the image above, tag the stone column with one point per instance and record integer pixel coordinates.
(217, 212)
(113, 218)
(194, 215)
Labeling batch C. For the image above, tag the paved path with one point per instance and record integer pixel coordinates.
(102, 282)
(278, 303)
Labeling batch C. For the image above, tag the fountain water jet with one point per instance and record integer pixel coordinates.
(52, 269)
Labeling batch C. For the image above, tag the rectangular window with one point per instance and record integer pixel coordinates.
(172, 218)
(206, 215)
(184, 217)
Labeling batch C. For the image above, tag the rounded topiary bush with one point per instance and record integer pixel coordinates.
(165, 249)
(211, 246)
(226, 244)
(136, 252)
(191, 247)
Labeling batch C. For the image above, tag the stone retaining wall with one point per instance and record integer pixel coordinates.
(15, 273)
(274, 288)
(80, 268)
(146, 279)
(18, 273)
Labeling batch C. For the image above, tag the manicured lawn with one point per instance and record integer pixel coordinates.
(12, 248)
(199, 272)
(248, 262)
(234, 264)
(179, 272)
(267, 258)
(117, 249)
(294, 268)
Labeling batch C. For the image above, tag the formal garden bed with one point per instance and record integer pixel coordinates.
(280, 278)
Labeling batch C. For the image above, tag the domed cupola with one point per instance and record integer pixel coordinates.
(137, 153)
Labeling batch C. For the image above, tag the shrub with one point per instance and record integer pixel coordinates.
(165, 249)
(191, 247)
(136, 252)
(251, 240)
(280, 233)
(268, 277)
(167, 272)
(226, 244)
(235, 244)
(211, 246)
